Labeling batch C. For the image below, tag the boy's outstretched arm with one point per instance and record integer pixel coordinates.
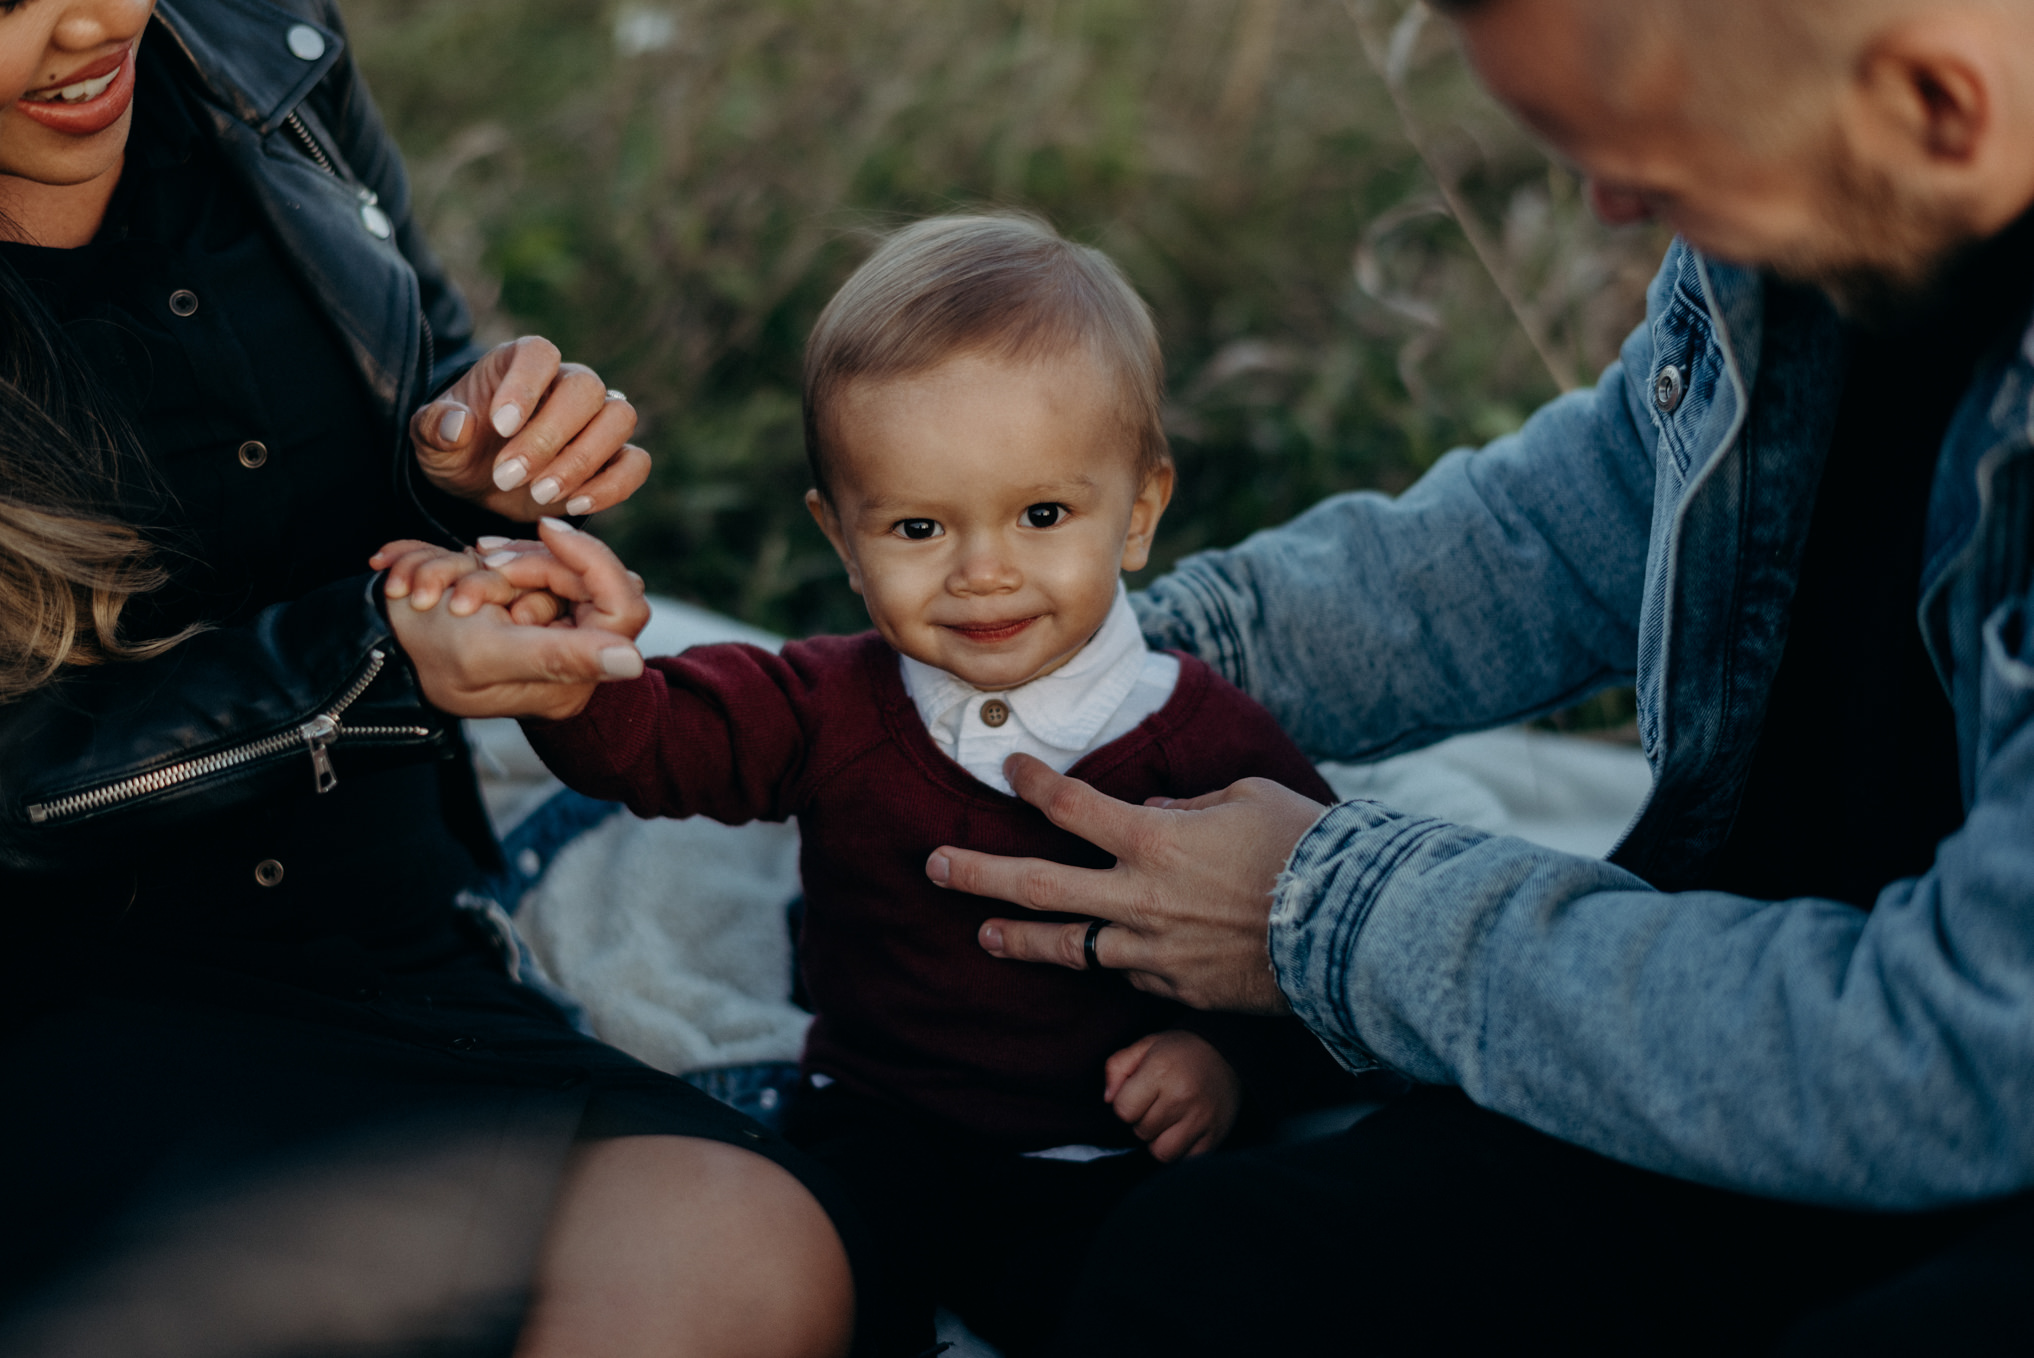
(452, 617)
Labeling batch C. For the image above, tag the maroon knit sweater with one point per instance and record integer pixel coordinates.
(909, 1008)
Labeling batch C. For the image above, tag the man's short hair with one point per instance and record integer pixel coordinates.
(1000, 285)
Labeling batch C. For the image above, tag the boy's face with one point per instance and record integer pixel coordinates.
(985, 508)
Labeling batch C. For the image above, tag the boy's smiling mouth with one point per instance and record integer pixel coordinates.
(990, 631)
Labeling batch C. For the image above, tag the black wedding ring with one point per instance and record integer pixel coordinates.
(1095, 928)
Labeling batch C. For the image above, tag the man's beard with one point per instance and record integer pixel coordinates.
(1891, 259)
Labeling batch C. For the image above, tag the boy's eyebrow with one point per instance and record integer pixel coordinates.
(1043, 490)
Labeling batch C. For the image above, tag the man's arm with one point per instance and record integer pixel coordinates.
(1802, 1049)
(1505, 583)
(1799, 1049)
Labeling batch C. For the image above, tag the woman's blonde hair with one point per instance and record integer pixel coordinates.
(69, 565)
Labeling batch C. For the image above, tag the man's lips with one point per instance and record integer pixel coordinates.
(990, 631)
(87, 116)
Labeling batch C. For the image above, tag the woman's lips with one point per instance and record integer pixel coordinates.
(86, 116)
(990, 631)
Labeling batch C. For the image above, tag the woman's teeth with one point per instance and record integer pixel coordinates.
(74, 94)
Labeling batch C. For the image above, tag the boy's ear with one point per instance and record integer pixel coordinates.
(823, 514)
(1152, 498)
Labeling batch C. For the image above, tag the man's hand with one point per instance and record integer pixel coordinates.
(474, 659)
(1188, 902)
(524, 434)
(1176, 1091)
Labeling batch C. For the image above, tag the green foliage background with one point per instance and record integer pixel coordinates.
(671, 190)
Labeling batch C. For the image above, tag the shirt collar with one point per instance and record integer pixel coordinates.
(1065, 709)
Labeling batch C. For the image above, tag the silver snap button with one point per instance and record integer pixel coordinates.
(253, 453)
(995, 712)
(306, 43)
(184, 302)
(268, 872)
(1667, 390)
(376, 221)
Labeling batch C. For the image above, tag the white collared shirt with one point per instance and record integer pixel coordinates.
(1111, 684)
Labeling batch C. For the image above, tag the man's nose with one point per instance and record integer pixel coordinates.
(1615, 205)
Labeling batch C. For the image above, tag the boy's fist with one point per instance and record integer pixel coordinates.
(1176, 1091)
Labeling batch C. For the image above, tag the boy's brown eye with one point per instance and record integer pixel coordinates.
(918, 530)
(1044, 516)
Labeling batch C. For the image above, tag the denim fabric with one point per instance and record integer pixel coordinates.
(1801, 1049)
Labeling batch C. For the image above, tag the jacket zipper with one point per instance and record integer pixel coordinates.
(296, 125)
(367, 197)
(314, 736)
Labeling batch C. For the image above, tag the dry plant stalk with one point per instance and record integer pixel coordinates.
(1390, 59)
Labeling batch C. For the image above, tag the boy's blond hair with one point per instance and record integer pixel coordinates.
(1003, 285)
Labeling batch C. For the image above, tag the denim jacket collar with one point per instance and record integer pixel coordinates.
(1763, 369)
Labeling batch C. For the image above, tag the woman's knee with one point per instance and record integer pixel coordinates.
(672, 1245)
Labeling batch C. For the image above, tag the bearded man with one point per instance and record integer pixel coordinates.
(1763, 1081)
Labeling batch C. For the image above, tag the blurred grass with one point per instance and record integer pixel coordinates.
(672, 190)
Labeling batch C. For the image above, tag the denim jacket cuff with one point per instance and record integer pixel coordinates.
(1319, 906)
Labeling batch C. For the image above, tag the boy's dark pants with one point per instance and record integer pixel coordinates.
(1436, 1227)
(959, 1221)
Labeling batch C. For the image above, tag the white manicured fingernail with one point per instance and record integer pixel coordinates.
(579, 504)
(511, 474)
(452, 426)
(489, 544)
(508, 419)
(498, 559)
(621, 662)
(545, 490)
(558, 524)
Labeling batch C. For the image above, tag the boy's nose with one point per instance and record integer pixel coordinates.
(984, 570)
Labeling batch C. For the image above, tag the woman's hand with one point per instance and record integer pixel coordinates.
(524, 434)
(452, 616)
(1176, 1091)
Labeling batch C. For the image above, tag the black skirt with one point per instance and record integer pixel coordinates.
(252, 1144)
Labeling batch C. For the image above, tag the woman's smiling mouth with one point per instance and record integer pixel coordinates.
(990, 631)
(90, 100)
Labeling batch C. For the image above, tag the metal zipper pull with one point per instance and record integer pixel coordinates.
(318, 733)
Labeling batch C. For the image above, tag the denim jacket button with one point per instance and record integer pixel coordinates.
(253, 454)
(268, 872)
(1667, 388)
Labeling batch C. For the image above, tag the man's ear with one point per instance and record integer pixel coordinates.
(1152, 498)
(1928, 94)
(823, 514)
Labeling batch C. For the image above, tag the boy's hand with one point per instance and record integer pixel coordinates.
(1176, 1091)
(475, 660)
(424, 572)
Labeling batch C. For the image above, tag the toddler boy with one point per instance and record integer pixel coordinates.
(982, 416)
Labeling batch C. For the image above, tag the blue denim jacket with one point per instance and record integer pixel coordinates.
(1650, 530)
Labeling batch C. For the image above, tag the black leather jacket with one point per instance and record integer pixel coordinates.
(95, 766)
